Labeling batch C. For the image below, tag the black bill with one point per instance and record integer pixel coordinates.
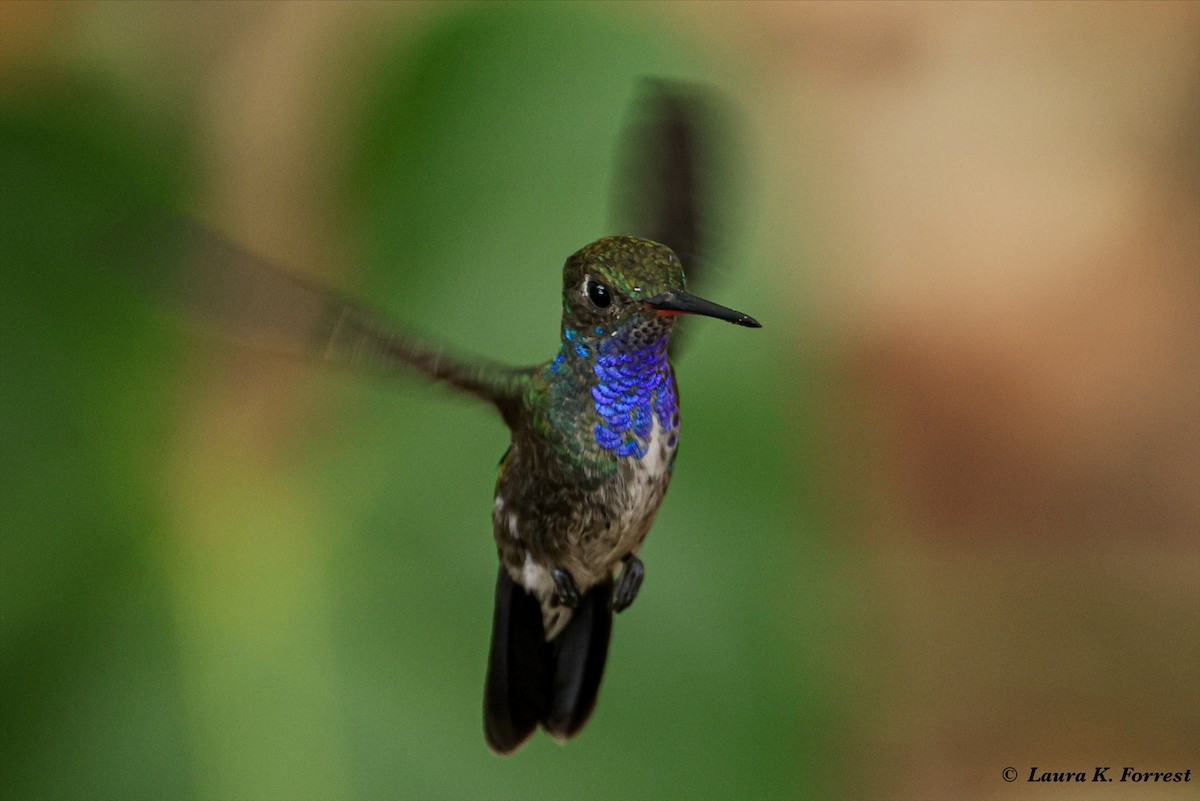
(678, 302)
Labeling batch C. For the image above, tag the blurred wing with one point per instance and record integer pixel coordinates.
(657, 189)
(666, 173)
(209, 280)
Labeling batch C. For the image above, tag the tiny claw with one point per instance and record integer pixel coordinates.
(568, 591)
(629, 583)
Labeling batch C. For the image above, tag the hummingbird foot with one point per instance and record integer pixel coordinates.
(566, 588)
(629, 583)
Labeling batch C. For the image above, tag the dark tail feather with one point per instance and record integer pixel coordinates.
(531, 681)
(579, 656)
(515, 697)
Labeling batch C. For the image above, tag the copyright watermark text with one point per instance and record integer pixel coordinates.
(1098, 774)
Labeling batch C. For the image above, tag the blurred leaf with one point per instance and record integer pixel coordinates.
(91, 703)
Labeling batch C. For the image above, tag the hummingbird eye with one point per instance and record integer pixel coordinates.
(599, 295)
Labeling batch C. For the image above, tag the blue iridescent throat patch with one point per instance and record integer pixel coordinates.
(634, 389)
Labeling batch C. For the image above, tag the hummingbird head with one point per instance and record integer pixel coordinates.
(621, 280)
(620, 298)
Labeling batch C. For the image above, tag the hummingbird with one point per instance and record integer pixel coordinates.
(594, 436)
(594, 430)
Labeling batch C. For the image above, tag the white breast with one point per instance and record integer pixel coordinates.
(645, 483)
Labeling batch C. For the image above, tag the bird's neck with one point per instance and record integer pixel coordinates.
(615, 387)
(597, 357)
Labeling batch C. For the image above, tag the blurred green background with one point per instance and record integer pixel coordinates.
(939, 517)
(228, 575)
